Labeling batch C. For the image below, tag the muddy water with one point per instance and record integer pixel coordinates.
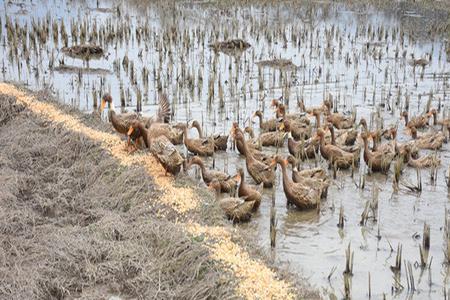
(360, 55)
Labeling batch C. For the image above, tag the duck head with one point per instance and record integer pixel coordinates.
(107, 98)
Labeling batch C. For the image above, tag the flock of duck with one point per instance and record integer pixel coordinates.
(337, 137)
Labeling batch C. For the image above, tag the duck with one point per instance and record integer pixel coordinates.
(388, 133)
(322, 109)
(346, 138)
(302, 196)
(309, 177)
(299, 119)
(341, 121)
(174, 134)
(265, 126)
(363, 123)
(160, 146)
(376, 138)
(299, 130)
(400, 148)
(377, 161)
(259, 171)
(303, 149)
(336, 155)
(275, 138)
(426, 161)
(121, 123)
(235, 209)
(429, 140)
(248, 192)
(313, 172)
(316, 113)
(417, 122)
(220, 141)
(258, 155)
(227, 183)
(252, 144)
(202, 147)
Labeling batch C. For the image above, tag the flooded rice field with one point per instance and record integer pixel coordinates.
(367, 59)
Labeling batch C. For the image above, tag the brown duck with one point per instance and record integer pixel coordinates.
(336, 155)
(258, 155)
(426, 161)
(235, 209)
(302, 149)
(345, 140)
(298, 130)
(259, 171)
(340, 121)
(302, 196)
(377, 161)
(275, 138)
(227, 183)
(122, 122)
(310, 177)
(248, 192)
(160, 147)
(252, 144)
(269, 125)
(429, 140)
(299, 119)
(417, 122)
(220, 141)
(202, 147)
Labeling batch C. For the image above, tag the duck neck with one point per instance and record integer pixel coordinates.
(406, 119)
(333, 140)
(286, 179)
(374, 144)
(251, 133)
(201, 165)
(259, 115)
(185, 135)
(364, 125)
(317, 120)
(322, 141)
(435, 120)
(366, 150)
(240, 138)
(144, 133)
(199, 129)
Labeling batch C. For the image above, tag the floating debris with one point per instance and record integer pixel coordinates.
(278, 63)
(74, 69)
(85, 51)
(230, 45)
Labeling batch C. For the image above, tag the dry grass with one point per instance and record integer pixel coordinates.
(75, 223)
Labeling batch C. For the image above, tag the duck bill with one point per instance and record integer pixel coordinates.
(237, 177)
(102, 105)
(130, 131)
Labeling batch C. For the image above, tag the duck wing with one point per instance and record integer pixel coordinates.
(220, 176)
(164, 111)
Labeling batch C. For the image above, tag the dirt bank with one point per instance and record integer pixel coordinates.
(73, 222)
(76, 221)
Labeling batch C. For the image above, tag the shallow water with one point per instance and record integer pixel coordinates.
(356, 54)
